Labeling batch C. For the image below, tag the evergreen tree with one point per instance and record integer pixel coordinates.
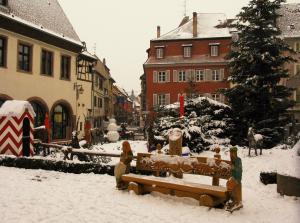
(257, 66)
(206, 122)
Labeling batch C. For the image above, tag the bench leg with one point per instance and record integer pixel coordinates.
(137, 188)
(209, 201)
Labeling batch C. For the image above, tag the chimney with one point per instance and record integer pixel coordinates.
(158, 31)
(104, 61)
(195, 21)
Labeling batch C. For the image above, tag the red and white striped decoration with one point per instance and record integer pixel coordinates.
(11, 133)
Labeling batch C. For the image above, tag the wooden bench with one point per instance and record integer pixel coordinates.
(207, 195)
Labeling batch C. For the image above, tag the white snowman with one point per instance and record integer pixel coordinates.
(112, 135)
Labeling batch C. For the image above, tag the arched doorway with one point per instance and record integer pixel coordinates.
(60, 122)
(40, 112)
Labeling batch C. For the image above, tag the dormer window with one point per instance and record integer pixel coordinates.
(187, 50)
(214, 49)
(159, 52)
(3, 2)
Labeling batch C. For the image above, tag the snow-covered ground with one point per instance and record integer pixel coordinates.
(47, 196)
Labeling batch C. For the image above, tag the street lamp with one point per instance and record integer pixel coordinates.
(79, 89)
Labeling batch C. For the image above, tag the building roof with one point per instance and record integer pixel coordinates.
(206, 27)
(289, 22)
(179, 60)
(44, 15)
(89, 56)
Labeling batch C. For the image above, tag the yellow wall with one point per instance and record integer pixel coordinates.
(22, 86)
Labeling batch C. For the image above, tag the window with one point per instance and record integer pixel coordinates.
(181, 76)
(65, 66)
(187, 51)
(2, 52)
(199, 75)
(216, 97)
(95, 101)
(47, 63)
(24, 57)
(100, 102)
(3, 2)
(215, 75)
(159, 53)
(162, 76)
(214, 50)
(161, 99)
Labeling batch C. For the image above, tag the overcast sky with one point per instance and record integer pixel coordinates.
(122, 29)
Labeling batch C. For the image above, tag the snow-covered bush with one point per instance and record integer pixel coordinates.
(206, 123)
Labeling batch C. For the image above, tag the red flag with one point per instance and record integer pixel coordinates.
(47, 125)
(181, 102)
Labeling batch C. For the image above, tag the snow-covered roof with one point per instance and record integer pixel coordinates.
(206, 27)
(44, 15)
(88, 54)
(289, 22)
(16, 108)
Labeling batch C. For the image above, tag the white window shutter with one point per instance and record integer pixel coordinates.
(208, 74)
(167, 99)
(188, 75)
(193, 75)
(168, 76)
(222, 98)
(155, 76)
(154, 100)
(222, 74)
(175, 76)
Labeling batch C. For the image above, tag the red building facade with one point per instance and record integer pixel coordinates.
(190, 58)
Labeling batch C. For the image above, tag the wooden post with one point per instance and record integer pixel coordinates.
(216, 180)
(175, 146)
(175, 142)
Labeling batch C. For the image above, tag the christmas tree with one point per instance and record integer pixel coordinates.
(257, 58)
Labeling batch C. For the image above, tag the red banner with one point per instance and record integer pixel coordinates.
(181, 108)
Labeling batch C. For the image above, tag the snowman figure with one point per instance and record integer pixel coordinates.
(112, 135)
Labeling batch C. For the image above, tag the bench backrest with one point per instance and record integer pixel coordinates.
(213, 167)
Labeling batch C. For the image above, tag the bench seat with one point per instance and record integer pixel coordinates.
(207, 195)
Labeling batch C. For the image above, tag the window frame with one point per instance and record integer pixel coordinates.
(181, 76)
(161, 76)
(48, 52)
(215, 75)
(62, 75)
(216, 97)
(199, 73)
(214, 50)
(29, 55)
(4, 52)
(161, 98)
(159, 52)
(187, 51)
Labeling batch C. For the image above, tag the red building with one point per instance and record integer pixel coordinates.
(189, 59)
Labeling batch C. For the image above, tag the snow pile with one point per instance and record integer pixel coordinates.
(16, 108)
(59, 197)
